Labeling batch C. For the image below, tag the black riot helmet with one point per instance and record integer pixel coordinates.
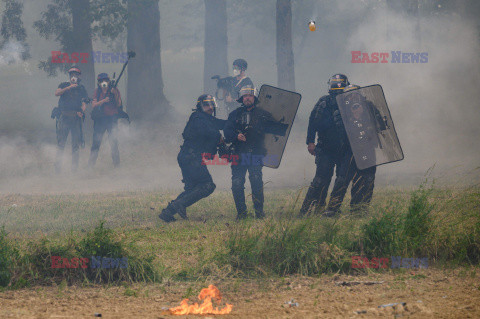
(240, 64)
(338, 78)
(204, 100)
(351, 87)
(336, 87)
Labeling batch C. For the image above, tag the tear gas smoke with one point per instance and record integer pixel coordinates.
(434, 105)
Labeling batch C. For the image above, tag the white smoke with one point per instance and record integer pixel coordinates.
(12, 52)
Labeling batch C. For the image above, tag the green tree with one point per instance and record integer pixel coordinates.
(12, 27)
(74, 24)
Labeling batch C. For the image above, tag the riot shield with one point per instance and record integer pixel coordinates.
(369, 127)
(282, 105)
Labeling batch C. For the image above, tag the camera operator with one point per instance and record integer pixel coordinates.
(106, 105)
(239, 80)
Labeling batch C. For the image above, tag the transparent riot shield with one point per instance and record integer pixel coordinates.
(282, 106)
(369, 127)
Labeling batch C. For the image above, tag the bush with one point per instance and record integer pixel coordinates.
(285, 247)
(417, 222)
(8, 256)
(381, 234)
(37, 262)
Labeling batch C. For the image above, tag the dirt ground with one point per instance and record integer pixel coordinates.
(427, 294)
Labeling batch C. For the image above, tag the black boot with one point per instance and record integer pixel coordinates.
(258, 198)
(316, 195)
(167, 214)
(190, 197)
(239, 199)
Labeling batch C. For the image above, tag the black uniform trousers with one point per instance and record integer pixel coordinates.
(255, 176)
(362, 184)
(68, 124)
(196, 177)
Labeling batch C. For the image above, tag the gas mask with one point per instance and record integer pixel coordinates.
(104, 84)
(74, 77)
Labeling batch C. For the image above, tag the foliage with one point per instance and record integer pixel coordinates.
(12, 27)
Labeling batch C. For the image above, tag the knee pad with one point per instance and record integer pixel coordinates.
(318, 182)
(238, 183)
(256, 181)
(257, 177)
(209, 188)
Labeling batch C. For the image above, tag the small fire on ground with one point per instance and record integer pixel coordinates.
(206, 307)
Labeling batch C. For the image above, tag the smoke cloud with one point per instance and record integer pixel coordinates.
(434, 105)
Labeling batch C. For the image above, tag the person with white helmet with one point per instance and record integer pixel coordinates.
(69, 116)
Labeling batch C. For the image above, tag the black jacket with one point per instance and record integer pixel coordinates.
(331, 135)
(253, 124)
(71, 100)
(202, 133)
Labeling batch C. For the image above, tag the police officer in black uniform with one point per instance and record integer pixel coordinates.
(70, 114)
(245, 128)
(201, 135)
(331, 143)
(363, 120)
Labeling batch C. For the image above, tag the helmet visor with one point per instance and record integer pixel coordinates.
(209, 102)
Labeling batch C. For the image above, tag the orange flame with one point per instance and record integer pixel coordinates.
(206, 294)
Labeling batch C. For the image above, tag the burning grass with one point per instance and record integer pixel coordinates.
(206, 307)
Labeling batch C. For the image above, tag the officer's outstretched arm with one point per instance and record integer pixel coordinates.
(229, 130)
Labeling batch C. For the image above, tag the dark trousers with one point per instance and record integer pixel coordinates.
(66, 125)
(109, 124)
(317, 192)
(238, 187)
(198, 184)
(362, 183)
(196, 177)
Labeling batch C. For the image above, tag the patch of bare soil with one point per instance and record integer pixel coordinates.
(426, 294)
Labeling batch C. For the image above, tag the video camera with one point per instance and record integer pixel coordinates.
(226, 84)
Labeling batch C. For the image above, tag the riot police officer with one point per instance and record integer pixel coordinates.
(201, 135)
(69, 115)
(106, 105)
(331, 143)
(245, 128)
(359, 116)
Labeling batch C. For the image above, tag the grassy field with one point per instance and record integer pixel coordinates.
(442, 224)
(257, 264)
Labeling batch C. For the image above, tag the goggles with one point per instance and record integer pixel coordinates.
(208, 102)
